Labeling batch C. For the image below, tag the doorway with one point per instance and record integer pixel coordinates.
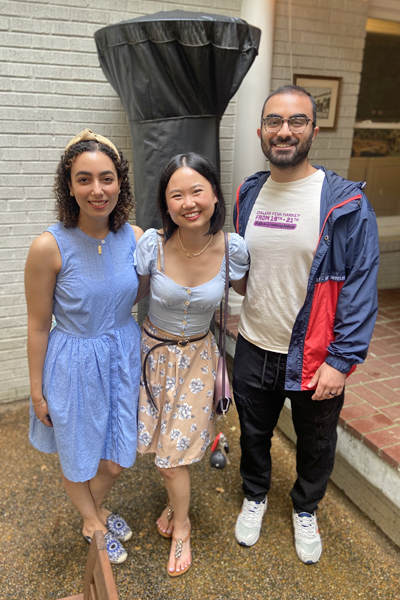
(376, 141)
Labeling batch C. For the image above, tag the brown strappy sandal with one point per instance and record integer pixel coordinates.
(178, 551)
(170, 516)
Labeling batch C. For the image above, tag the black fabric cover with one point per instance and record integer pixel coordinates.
(175, 73)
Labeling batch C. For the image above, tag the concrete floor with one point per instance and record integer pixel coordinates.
(42, 553)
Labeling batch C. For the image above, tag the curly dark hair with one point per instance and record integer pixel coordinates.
(66, 205)
(202, 165)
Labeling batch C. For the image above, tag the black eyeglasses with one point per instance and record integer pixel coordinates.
(295, 124)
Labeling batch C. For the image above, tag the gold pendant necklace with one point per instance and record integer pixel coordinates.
(99, 245)
(188, 254)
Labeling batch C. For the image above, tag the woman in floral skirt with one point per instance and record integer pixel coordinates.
(185, 265)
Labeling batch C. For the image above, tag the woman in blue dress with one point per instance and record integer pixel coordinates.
(185, 266)
(85, 374)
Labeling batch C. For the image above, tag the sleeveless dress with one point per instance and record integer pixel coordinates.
(181, 379)
(92, 368)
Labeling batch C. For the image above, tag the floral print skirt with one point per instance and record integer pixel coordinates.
(181, 380)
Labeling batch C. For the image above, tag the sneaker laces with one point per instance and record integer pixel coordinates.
(252, 512)
(307, 526)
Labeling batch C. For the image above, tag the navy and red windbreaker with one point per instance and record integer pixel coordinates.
(337, 319)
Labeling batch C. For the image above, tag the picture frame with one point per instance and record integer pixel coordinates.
(326, 92)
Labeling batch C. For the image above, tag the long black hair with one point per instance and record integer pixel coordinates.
(202, 165)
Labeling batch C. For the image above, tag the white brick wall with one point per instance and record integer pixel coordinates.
(328, 40)
(52, 87)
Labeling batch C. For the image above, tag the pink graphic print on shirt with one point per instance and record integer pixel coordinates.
(276, 220)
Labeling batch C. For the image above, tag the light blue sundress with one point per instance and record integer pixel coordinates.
(92, 368)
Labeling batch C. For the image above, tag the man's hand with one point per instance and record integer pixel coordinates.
(329, 381)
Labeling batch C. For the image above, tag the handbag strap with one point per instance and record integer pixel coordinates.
(222, 328)
(163, 342)
(161, 253)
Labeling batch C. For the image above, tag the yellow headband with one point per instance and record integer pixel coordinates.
(86, 134)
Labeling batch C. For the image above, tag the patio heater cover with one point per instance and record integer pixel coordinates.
(175, 73)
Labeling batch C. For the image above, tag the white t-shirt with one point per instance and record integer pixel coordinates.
(282, 236)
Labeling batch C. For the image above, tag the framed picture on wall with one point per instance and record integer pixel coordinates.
(326, 92)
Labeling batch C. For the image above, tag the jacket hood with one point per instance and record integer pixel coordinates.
(340, 189)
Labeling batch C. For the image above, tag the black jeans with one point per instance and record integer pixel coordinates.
(259, 390)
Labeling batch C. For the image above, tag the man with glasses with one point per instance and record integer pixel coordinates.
(308, 314)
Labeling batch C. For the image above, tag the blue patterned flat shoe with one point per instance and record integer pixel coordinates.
(115, 550)
(119, 527)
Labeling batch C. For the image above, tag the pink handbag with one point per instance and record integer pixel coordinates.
(222, 392)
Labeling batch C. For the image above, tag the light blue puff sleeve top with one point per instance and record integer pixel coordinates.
(182, 310)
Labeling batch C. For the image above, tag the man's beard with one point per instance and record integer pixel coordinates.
(285, 160)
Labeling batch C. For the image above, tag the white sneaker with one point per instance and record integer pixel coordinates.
(307, 539)
(248, 524)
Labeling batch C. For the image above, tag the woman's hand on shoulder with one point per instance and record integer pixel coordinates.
(138, 231)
